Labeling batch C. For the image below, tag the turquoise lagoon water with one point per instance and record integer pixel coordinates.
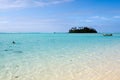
(59, 57)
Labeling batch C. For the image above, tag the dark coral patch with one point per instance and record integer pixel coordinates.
(18, 51)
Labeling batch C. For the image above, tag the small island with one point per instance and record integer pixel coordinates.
(82, 30)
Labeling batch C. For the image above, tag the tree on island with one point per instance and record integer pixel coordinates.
(82, 30)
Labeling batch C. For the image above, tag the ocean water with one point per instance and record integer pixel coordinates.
(59, 57)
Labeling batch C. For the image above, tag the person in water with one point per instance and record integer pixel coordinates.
(13, 42)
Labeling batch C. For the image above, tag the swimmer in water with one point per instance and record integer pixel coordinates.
(13, 42)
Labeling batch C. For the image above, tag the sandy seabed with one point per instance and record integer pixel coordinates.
(74, 67)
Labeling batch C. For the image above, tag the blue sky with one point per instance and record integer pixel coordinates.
(59, 15)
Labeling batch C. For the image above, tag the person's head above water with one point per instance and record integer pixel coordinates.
(13, 42)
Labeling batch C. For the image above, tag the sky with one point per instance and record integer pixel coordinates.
(59, 15)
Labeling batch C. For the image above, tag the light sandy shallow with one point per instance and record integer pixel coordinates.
(63, 67)
(72, 59)
(59, 57)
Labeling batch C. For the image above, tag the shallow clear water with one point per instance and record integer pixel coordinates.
(59, 57)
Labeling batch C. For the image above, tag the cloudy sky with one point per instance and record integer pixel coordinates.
(59, 15)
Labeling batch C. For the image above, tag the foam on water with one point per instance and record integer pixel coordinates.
(59, 57)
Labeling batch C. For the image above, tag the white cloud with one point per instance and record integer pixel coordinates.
(116, 16)
(95, 17)
(7, 4)
(3, 20)
(50, 2)
(87, 20)
(100, 17)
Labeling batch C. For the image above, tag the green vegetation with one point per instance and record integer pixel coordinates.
(82, 30)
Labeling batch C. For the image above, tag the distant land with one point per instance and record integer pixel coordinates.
(82, 30)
